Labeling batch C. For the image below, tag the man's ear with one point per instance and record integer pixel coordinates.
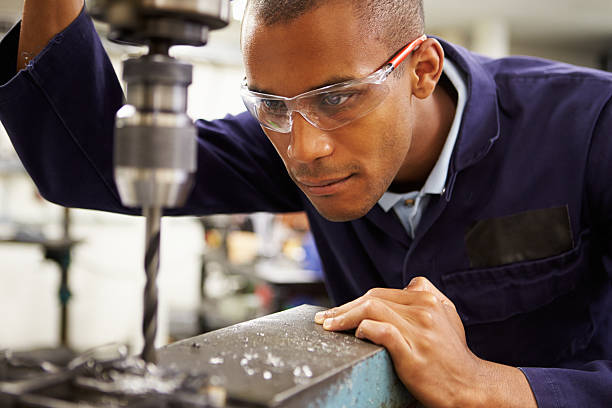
(426, 68)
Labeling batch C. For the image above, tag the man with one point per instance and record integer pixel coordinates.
(475, 190)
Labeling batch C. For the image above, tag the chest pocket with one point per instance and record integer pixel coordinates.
(530, 312)
(529, 235)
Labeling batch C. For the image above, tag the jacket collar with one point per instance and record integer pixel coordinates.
(480, 125)
(388, 223)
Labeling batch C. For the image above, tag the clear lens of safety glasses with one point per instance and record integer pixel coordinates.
(326, 108)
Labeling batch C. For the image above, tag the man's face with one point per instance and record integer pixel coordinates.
(343, 172)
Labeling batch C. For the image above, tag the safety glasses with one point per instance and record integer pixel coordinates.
(329, 107)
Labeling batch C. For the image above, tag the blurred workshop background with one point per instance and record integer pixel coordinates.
(219, 270)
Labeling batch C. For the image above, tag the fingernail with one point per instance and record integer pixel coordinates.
(411, 284)
(327, 324)
(319, 317)
(359, 333)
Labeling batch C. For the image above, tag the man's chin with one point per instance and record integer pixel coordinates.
(339, 213)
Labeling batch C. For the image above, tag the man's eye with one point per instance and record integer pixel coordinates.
(335, 99)
(272, 105)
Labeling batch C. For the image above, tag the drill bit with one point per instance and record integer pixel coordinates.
(151, 264)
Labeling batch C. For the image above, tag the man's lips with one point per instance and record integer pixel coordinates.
(323, 187)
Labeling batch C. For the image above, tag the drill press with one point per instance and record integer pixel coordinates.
(155, 140)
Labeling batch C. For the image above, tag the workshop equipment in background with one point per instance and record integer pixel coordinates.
(155, 140)
(270, 279)
(56, 250)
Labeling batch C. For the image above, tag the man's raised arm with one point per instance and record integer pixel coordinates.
(59, 112)
(42, 20)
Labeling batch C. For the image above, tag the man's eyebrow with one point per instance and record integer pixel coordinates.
(331, 81)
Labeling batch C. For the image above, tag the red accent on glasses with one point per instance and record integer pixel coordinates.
(401, 56)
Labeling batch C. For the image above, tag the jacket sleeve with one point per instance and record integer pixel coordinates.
(589, 384)
(59, 114)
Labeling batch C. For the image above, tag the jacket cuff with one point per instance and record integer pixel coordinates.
(548, 393)
(10, 79)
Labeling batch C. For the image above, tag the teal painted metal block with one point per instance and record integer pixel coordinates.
(287, 360)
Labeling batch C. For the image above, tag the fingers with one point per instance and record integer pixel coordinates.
(402, 297)
(375, 309)
(325, 314)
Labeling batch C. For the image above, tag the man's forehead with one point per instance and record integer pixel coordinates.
(333, 79)
(292, 76)
(317, 49)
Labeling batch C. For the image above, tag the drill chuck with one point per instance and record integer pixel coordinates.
(155, 140)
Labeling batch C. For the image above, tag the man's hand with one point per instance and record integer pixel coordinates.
(422, 331)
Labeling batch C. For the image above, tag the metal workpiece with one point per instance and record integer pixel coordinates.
(287, 360)
(280, 360)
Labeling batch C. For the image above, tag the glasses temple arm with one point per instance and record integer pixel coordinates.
(401, 56)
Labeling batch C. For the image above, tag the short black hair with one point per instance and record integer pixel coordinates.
(393, 22)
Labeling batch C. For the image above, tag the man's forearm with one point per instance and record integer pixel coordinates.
(42, 20)
(502, 386)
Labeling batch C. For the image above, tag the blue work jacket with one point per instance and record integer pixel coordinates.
(520, 240)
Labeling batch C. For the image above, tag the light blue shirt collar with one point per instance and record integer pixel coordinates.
(389, 199)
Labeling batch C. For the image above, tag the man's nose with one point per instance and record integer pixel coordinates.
(307, 143)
